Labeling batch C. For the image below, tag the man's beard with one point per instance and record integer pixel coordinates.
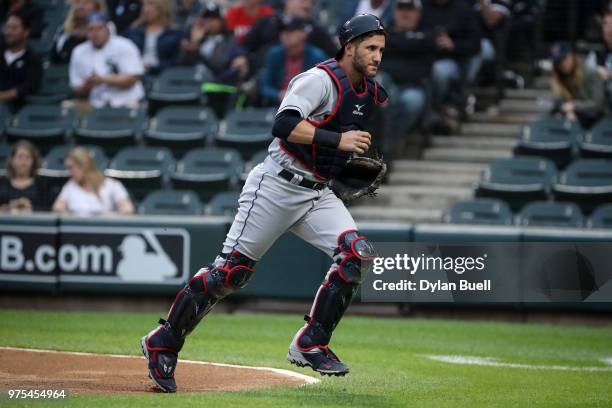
(359, 66)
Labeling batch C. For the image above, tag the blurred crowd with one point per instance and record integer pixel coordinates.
(436, 51)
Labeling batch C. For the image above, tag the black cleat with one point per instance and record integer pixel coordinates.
(321, 359)
(162, 359)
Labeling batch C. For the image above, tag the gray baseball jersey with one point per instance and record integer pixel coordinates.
(269, 205)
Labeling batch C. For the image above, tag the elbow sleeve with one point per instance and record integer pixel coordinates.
(285, 122)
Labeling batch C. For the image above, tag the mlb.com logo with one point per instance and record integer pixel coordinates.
(357, 110)
(85, 254)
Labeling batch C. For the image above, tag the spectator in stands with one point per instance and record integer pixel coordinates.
(457, 41)
(603, 58)
(20, 67)
(241, 17)
(409, 54)
(284, 61)
(578, 90)
(88, 192)
(265, 32)
(21, 190)
(382, 9)
(186, 12)
(74, 31)
(29, 10)
(106, 68)
(123, 13)
(159, 43)
(210, 43)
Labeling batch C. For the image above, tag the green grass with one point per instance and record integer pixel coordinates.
(386, 356)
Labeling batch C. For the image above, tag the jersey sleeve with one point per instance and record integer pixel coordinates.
(306, 93)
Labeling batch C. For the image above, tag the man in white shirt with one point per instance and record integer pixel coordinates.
(106, 68)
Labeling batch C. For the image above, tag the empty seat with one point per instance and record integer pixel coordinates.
(248, 130)
(171, 202)
(601, 217)
(43, 125)
(549, 214)
(181, 127)
(598, 142)
(54, 88)
(225, 203)
(141, 169)
(178, 86)
(207, 171)
(482, 211)
(52, 168)
(587, 182)
(552, 138)
(110, 128)
(5, 152)
(517, 181)
(257, 158)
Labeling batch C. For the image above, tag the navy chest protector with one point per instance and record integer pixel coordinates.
(351, 112)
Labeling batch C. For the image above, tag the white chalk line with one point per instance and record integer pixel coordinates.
(306, 378)
(493, 362)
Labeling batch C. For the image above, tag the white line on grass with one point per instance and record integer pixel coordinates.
(306, 378)
(493, 362)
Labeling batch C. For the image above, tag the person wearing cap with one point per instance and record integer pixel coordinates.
(408, 60)
(284, 61)
(265, 33)
(158, 42)
(241, 17)
(577, 88)
(208, 42)
(106, 69)
(20, 67)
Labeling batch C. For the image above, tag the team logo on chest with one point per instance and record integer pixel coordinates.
(357, 110)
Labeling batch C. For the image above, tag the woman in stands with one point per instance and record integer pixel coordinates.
(20, 190)
(158, 42)
(88, 192)
(578, 90)
(74, 31)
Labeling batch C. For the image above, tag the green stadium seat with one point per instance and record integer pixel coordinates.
(480, 212)
(247, 130)
(549, 214)
(4, 117)
(178, 86)
(171, 202)
(181, 127)
(587, 182)
(552, 138)
(597, 143)
(601, 217)
(52, 168)
(207, 171)
(5, 152)
(257, 158)
(43, 125)
(224, 204)
(517, 181)
(54, 88)
(110, 128)
(141, 169)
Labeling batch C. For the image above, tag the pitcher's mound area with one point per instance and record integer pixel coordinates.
(85, 373)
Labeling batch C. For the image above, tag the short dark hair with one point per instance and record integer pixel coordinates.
(358, 40)
(23, 17)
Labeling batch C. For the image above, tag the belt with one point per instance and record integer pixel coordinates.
(293, 179)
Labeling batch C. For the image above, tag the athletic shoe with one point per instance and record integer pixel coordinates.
(320, 358)
(161, 351)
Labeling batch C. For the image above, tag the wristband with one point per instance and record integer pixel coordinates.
(326, 138)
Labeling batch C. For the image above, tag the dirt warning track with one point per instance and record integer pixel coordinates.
(88, 373)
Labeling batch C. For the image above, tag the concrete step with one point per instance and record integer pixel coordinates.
(504, 117)
(386, 214)
(437, 166)
(525, 106)
(509, 130)
(420, 196)
(474, 142)
(465, 154)
(404, 178)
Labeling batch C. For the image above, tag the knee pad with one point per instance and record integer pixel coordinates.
(353, 249)
(231, 273)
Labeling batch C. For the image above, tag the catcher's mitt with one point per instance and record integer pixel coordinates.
(360, 176)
